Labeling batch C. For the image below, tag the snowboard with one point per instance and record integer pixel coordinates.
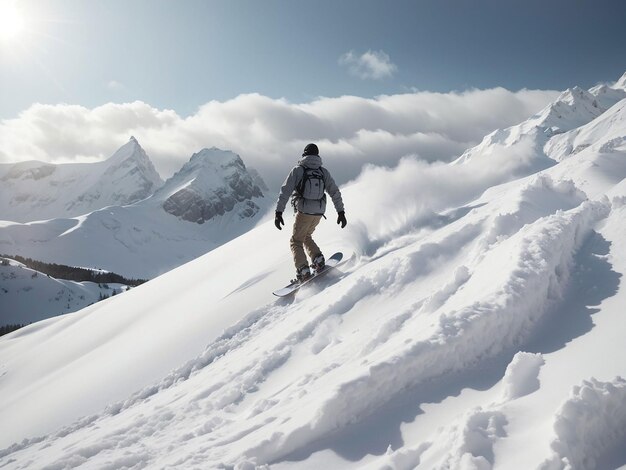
(294, 285)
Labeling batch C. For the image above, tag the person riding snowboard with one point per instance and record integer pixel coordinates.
(307, 184)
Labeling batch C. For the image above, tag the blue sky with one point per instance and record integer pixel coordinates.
(181, 54)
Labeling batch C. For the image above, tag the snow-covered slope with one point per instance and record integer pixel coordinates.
(36, 191)
(211, 200)
(27, 295)
(471, 331)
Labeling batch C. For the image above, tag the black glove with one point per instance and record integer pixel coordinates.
(341, 219)
(278, 220)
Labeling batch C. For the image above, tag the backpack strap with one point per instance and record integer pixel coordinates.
(323, 171)
(300, 184)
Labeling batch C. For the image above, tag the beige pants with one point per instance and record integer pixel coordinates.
(303, 228)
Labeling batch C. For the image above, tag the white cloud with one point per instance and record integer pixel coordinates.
(269, 134)
(374, 65)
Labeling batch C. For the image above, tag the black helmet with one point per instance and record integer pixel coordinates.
(310, 149)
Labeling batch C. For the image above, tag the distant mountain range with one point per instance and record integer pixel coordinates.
(35, 190)
(120, 216)
(575, 107)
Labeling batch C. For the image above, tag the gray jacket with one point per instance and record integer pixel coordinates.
(308, 206)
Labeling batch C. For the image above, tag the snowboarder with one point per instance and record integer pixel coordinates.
(307, 184)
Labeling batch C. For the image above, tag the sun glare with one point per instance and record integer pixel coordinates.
(11, 20)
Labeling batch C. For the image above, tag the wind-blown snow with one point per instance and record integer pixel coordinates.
(447, 341)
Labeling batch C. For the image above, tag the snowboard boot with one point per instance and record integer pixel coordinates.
(303, 273)
(318, 263)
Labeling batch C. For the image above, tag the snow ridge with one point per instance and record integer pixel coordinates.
(473, 442)
(590, 422)
(462, 336)
(521, 376)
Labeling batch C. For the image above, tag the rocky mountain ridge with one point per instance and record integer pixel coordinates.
(210, 184)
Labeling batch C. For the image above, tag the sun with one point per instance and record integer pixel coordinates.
(11, 21)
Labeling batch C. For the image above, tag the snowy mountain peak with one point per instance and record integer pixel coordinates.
(36, 190)
(132, 154)
(206, 169)
(574, 95)
(621, 83)
(130, 149)
(607, 96)
(604, 135)
(129, 177)
(125, 151)
(211, 184)
(574, 108)
(213, 158)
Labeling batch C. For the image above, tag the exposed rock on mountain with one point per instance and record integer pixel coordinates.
(212, 183)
